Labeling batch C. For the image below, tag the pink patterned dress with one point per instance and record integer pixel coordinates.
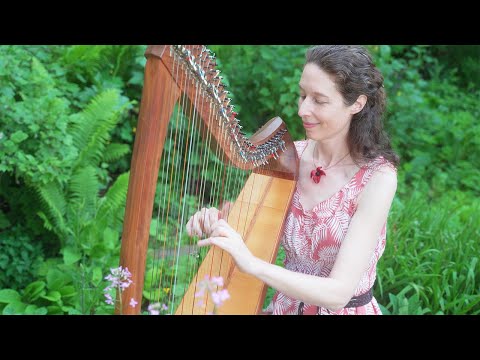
(312, 239)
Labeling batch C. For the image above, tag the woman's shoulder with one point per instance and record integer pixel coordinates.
(377, 168)
(378, 184)
(381, 186)
(382, 164)
(382, 173)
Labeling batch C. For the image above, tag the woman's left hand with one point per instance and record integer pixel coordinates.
(225, 237)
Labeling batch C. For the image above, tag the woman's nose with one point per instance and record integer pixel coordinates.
(303, 108)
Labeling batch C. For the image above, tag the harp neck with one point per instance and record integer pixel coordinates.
(269, 149)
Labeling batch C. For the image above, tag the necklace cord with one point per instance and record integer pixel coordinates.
(328, 167)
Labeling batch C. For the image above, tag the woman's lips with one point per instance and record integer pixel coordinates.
(309, 125)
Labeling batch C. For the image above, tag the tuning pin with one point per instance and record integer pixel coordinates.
(226, 102)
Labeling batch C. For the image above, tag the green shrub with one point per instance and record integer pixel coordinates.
(20, 256)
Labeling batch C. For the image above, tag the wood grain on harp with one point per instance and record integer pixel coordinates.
(189, 153)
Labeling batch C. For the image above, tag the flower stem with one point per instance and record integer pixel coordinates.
(120, 299)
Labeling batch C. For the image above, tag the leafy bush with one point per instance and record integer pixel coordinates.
(432, 122)
(264, 82)
(34, 141)
(20, 256)
(78, 201)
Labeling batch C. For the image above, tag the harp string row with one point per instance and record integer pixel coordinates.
(202, 67)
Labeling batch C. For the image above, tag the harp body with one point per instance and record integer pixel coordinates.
(173, 73)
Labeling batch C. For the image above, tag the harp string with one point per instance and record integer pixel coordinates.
(179, 245)
(201, 179)
(209, 177)
(172, 175)
(217, 188)
(184, 173)
(170, 228)
(222, 189)
(173, 171)
(193, 145)
(193, 140)
(200, 187)
(212, 197)
(160, 239)
(215, 196)
(184, 109)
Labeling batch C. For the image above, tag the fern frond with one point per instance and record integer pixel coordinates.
(89, 56)
(48, 225)
(54, 203)
(115, 199)
(92, 127)
(115, 151)
(83, 188)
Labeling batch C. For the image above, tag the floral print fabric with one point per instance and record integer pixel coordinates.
(312, 239)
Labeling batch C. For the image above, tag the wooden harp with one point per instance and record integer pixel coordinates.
(185, 108)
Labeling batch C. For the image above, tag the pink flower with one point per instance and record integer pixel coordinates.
(210, 285)
(133, 303)
(156, 308)
(217, 280)
(220, 296)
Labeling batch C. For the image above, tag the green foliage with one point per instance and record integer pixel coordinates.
(82, 205)
(57, 292)
(168, 276)
(20, 256)
(91, 127)
(53, 200)
(263, 81)
(66, 129)
(34, 142)
(69, 208)
(431, 121)
(93, 69)
(461, 60)
(432, 249)
(16, 201)
(401, 304)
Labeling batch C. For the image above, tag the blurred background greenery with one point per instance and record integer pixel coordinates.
(67, 124)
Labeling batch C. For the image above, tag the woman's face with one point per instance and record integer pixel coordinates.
(321, 107)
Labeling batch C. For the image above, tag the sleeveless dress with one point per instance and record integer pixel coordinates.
(312, 239)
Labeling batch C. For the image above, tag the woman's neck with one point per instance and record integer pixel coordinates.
(326, 153)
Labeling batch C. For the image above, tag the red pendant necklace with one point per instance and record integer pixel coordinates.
(319, 171)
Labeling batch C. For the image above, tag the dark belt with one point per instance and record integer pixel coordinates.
(355, 301)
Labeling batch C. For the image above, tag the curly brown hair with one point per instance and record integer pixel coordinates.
(354, 73)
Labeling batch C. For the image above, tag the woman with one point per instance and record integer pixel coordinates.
(336, 226)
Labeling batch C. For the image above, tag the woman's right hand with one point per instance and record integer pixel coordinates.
(202, 221)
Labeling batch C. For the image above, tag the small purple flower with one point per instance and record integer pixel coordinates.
(119, 280)
(133, 303)
(109, 300)
(157, 308)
